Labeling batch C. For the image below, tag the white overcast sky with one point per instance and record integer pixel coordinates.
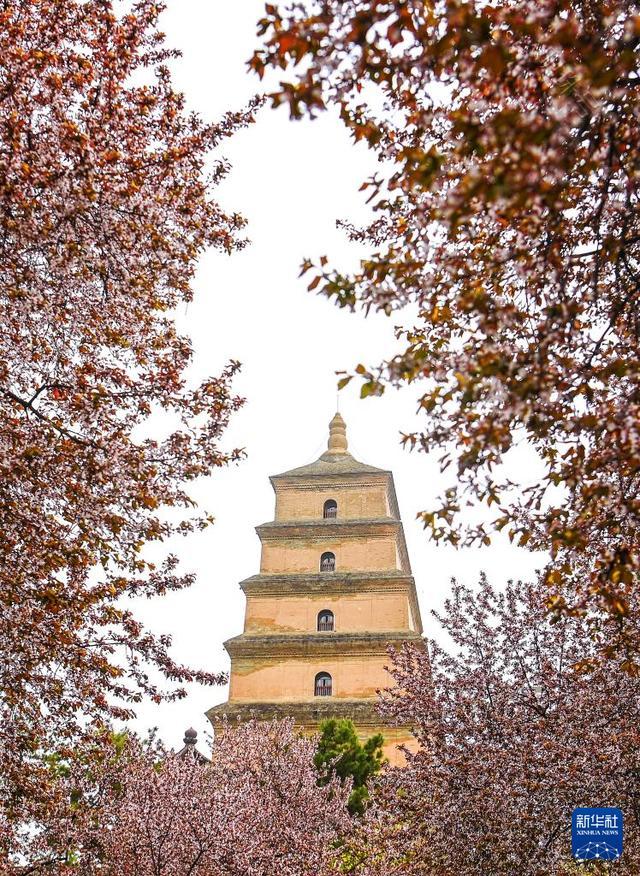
(292, 181)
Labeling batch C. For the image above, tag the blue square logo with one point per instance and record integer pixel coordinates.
(596, 834)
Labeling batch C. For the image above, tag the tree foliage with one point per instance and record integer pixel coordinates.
(518, 723)
(255, 810)
(105, 206)
(507, 217)
(340, 753)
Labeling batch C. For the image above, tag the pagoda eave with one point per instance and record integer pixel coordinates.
(289, 582)
(306, 713)
(329, 528)
(312, 644)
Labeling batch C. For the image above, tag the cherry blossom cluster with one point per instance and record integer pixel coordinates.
(256, 809)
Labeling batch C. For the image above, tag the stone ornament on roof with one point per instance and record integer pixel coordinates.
(337, 436)
(190, 740)
(336, 459)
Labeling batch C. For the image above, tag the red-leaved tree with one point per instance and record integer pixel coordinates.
(518, 724)
(105, 207)
(255, 810)
(507, 216)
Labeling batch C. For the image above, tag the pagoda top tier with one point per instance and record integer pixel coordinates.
(335, 460)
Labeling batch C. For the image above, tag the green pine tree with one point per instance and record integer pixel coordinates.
(341, 753)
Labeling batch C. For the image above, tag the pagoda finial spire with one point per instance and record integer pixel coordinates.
(337, 435)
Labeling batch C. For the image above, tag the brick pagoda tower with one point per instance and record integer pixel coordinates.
(334, 591)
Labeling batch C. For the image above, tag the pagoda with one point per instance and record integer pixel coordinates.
(334, 591)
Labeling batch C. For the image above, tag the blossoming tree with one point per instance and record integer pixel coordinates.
(256, 810)
(507, 216)
(518, 724)
(105, 206)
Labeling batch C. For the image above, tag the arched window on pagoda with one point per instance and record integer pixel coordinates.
(323, 685)
(330, 509)
(328, 562)
(325, 621)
